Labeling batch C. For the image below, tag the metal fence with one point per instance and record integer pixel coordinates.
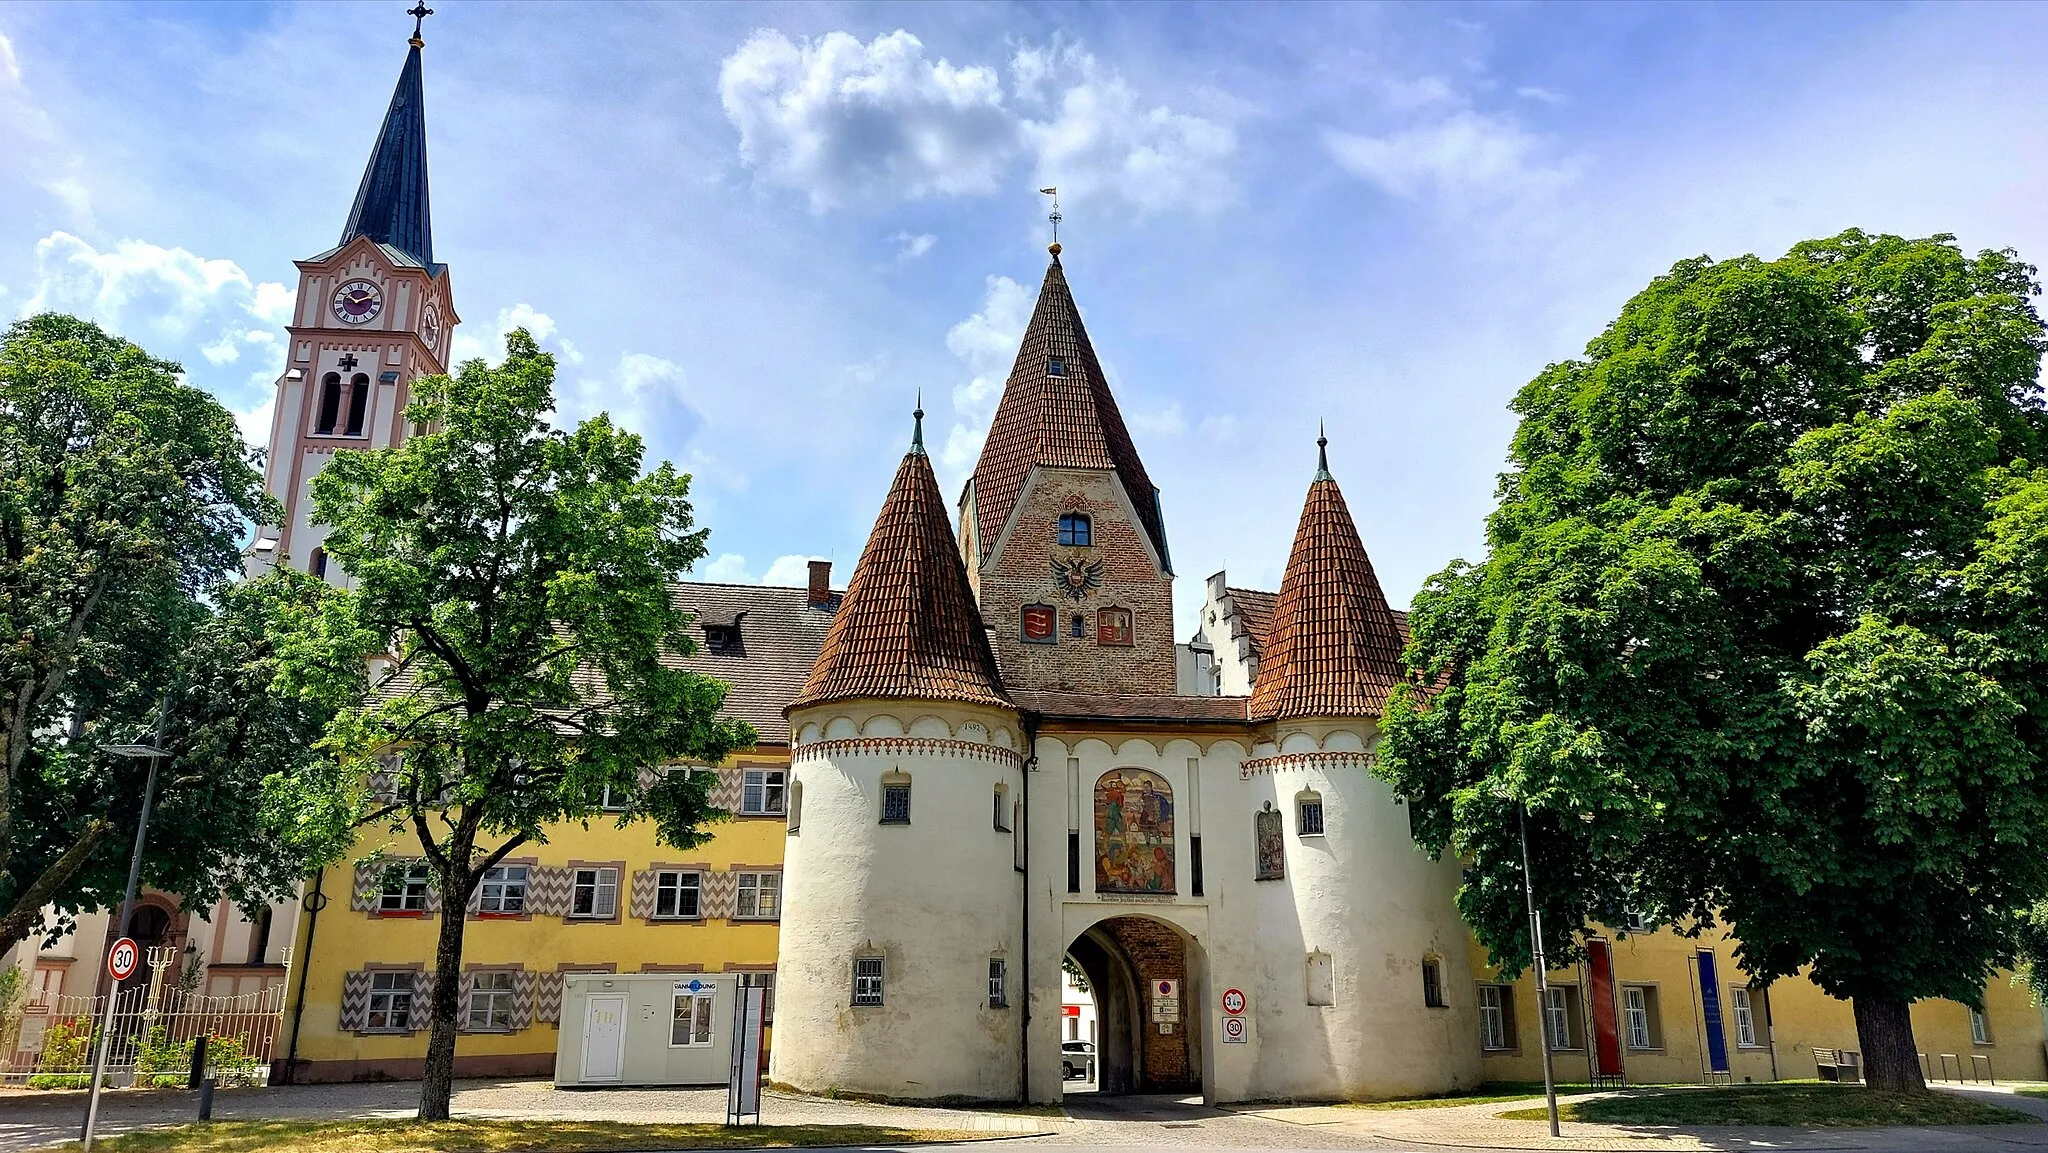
(154, 1031)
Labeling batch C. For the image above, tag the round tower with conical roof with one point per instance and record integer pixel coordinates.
(901, 917)
(1375, 917)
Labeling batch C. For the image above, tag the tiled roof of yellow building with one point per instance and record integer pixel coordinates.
(907, 626)
(1335, 648)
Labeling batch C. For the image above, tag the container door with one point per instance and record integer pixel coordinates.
(604, 1038)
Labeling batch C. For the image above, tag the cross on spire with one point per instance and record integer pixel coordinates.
(1055, 217)
(419, 13)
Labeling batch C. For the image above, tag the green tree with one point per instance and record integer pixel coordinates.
(124, 498)
(515, 576)
(1759, 634)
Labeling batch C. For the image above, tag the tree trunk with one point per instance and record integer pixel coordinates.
(1884, 1027)
(437, 1083)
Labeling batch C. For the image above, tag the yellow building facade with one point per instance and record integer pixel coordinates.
(1662, 1027)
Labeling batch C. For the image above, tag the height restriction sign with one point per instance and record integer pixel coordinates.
(1233, 1001)
(122, 959)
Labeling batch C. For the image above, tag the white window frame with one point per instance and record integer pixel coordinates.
(1557, 1017)
(677, 883)
(998, 983)
(1745, 1017)
(867, 981)
(757, 885)
(393, 1000)
(501, 893)
(1980, 1028)
(411, 891)
(1635, 1015)
(494, 1000)
(1493, 1026)
(612, 801)
(764, 792)
(692, 1011)
(1002, 807)
(604, 892)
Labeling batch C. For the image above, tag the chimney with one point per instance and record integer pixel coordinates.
(821, 583)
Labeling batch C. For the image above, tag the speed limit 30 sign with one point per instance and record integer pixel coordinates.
(122, 959)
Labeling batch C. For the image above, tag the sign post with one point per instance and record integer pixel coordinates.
(743, 1087)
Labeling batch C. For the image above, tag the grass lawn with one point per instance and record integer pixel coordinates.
(1808, 1106)
(1492, 1092)
(490, 1136)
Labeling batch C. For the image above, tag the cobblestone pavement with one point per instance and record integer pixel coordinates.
(1121, 1124)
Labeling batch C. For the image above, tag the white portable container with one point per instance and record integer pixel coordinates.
(645, 1029)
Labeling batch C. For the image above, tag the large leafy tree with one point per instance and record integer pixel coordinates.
(1759, 635)
(515, 578)
(125, 495)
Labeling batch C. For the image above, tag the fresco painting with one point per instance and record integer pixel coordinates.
(1133, 833)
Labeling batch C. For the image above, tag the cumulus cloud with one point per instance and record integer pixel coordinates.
(488, 341)
(10, 68)
(789, 571)
(1166, 421)
(1466, 156)
(1540, 95)
(838, 120)
(987, 341)
(641, 391)
(834, 118)
(909, 248)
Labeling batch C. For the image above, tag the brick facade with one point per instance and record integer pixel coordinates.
(1157, 953)
(1021, 572)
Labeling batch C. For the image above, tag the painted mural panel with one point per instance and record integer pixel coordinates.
(1272, 856)
(1133, 833)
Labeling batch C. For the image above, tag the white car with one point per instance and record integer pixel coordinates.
(1077, 1060)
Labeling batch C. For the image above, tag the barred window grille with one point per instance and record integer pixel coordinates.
(895, 804)
(1312, 817)
(867, 980)
(998, 984)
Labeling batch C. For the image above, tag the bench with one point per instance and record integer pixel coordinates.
(1840, 1065)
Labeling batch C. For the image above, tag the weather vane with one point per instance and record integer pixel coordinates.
(1055, 218)
(419, 13)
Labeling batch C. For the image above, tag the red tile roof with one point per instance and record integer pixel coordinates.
(1255, 614)
(907, 626)
(1066, 421)
(1336, 646)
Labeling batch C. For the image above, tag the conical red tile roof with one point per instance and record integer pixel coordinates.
(1066, 421)
(1335, 649)
(907, 626)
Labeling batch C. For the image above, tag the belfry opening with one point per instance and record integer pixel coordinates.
(1133, 1021)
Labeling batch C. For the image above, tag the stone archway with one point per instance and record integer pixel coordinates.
(1124, 958)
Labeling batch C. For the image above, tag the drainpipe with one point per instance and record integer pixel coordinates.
(1030, 725)
(316, 902)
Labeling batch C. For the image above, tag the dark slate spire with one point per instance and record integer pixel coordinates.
(391, 205)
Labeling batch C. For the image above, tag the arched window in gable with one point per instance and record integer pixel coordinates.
(1076, 531)
(1133, 833)
(330, 404)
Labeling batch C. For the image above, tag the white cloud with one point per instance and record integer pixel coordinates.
(987, 342)
(839, 120)
(1099, 140)
(641, 391)
(909, 248)
(1166, 421)
(1541, 95)
(1465, 156)
(489, 342)
(790, 571)
(10, 70)
(835, 118)
(273, 303)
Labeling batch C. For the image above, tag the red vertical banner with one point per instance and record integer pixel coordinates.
(1606, 1040)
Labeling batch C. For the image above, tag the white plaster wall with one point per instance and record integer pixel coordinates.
(935, 898)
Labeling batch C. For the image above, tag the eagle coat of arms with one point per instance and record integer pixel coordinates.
(1076, 576)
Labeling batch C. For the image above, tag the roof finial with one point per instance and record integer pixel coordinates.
(917, 428)
(1322, 454)
(1054, 247)
(419, 13)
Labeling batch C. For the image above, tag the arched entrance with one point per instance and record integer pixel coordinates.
(1142, 975)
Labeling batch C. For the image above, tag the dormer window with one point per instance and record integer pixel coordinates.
(724, 636)
(1075, 530)
(1056, 366)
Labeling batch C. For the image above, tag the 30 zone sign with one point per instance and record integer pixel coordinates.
(122, 959)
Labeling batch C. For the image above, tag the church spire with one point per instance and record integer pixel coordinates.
(391, 204)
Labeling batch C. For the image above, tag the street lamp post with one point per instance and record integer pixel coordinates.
(155, 754)
(1542, 983)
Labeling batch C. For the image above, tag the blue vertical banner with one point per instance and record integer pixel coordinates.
(1710, 1008)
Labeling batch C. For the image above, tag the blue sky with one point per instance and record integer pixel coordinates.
(753, 233)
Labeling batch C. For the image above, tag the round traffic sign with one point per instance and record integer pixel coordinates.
(122, 959)
(1233, 1001)
(1233, 1028)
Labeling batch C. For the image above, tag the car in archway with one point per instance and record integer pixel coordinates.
(1077, 1061)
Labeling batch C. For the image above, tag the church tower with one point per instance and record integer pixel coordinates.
(1061, 527)
(373, 314)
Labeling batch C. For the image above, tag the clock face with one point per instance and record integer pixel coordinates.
(358, 302)
(430, 327)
